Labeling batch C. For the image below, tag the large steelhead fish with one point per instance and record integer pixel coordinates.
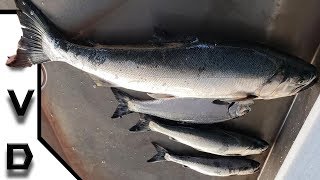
(219, 166)
(213, 141)
(198, 70)
(191, 110)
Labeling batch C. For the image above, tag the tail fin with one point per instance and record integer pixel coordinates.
(123, 99)
(161, 152)
(142, 125)
(34, 27)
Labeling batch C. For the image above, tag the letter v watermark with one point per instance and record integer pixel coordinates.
(21, 110)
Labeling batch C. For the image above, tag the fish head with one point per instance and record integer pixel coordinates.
(299, 78)
(258, 146)
(291, 79)
(249, 167)
(255, 166)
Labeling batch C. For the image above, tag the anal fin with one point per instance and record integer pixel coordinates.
(100, 82)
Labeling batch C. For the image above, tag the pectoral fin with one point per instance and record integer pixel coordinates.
(245, 98)
(248, 97)
(160, 96)
(219, 102)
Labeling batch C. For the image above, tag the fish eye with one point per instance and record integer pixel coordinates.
(303, 81)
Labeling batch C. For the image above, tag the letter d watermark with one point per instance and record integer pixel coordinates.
(11, 155)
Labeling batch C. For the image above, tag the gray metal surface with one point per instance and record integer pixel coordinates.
(301, 161)
(78, 114)
(81, 117)
(7, 4)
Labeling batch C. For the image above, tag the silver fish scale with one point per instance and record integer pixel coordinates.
(194, 70)
(184, 109)
(214, 142)
(219, 62)
(220, 166)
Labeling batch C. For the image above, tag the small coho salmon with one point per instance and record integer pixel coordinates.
(195, 69)
(193, 110)
(219, 166)
(213, 141)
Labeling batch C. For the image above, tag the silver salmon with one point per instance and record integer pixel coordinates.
(193, 110)
(213, 141)
(195, 69)
(219, 166)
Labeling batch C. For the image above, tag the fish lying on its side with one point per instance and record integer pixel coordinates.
(196, 70)
(193, 110)
(213, 141)
(219, 166)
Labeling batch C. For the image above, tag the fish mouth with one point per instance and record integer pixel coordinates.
(256, 170)
(311, 77)
(313, 82)
(256, 166)
(264, 146)
(258, 147)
